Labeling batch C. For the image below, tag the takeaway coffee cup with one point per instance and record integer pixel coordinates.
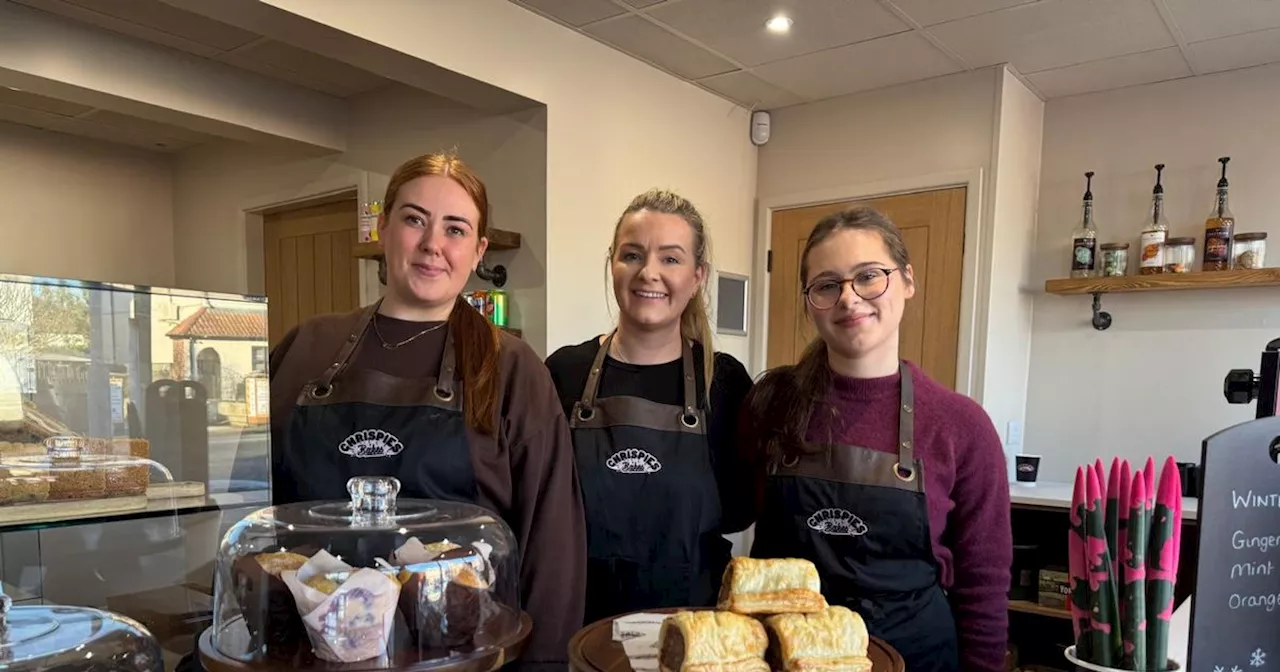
(1027, 467)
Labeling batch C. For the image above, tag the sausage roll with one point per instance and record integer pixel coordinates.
(771, 586)
(711, 641)
(832, 640)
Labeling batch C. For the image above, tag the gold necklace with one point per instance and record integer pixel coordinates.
(406, 341)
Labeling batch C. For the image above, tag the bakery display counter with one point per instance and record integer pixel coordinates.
(373, 583)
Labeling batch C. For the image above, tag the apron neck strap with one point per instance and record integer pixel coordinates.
(686, 360)
(348, 346)
(690, 382)
(448, 365)
(906, 426)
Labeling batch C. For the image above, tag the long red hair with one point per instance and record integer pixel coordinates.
(475, 340)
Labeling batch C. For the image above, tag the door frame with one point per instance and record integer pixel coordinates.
(975, 284)
(254, 208)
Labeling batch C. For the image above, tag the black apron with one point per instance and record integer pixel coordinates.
(362, 422)
(651, 497)
(860, 516)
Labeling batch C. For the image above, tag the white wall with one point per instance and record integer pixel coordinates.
(615, 127)
(932, 127)
(1016, 187)
(217, 249)
(1152, 383)
(77, 208)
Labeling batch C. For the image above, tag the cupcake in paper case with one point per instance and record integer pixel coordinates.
(348, 613)
(446, 591)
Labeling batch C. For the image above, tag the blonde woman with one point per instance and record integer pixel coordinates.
(660, 478)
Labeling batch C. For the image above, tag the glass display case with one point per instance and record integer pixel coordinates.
(373, 583)
(134, 431)
(73, 639)
(114, 396)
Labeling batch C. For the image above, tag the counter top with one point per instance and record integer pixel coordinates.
(1056, 495)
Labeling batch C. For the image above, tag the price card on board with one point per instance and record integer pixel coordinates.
(1235, 619)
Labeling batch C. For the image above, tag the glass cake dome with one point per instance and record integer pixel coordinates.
(374, 583)
(73, 639)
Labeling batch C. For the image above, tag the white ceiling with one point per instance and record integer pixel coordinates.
(159, 23)
(838, 47)
(60, 116)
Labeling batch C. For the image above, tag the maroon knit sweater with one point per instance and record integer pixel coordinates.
(966, 491)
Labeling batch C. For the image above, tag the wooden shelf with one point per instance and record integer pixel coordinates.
(1263, 277)
(1026, 607)
(499, 240)
(513, 331)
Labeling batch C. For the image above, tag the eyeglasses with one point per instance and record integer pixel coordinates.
(868, 284)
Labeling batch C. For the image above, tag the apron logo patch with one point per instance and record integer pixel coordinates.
(837, 523)
(633, 461)
(371, 443)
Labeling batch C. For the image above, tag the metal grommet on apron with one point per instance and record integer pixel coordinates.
(651, 498)
(361, 422)
(861, 516)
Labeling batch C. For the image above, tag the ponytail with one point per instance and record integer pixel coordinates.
(781, 405)
(475, 343)
(696, 326)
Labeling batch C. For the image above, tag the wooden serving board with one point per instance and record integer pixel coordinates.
(179, 489)
(593, 650)
(44, 512)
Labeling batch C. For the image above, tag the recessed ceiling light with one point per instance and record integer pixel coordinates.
(779, 24)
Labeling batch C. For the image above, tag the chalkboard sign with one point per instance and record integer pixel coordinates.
(1235, 618)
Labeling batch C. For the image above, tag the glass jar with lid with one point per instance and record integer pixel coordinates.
(1250, 250)
(1179, 255)
(73, 639)
(374, 583)
(1115, 259)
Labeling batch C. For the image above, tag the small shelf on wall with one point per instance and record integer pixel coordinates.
(1164, 282)
(1025, 607)
(513, 331)
(499, 240)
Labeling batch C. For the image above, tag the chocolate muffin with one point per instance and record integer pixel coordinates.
(270, 614)
(445, 600)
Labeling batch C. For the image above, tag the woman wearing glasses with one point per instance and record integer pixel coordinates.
(894, 485)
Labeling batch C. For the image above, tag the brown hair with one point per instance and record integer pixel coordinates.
(695, 324)
(782, 403)
(475, 340)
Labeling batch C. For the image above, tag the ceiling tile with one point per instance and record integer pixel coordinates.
(576, 12)
(154, 129)
(305, 68)
(889, 60)
(736, 29)
(1202, 20)
(750, 91)
(1056, 33)
(1112, 73)
(31, 101)
(642, 38)
(932, 12)
(1239, 51)
(128, 15)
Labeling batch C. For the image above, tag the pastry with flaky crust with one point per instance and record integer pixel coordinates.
(832, 640)
(771, 586)
(711, 641)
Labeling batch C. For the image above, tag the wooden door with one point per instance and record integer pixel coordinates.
(932, 224)
(309, 267)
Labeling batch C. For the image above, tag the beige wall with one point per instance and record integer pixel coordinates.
(1015, 195)
(218, 248)
(81, 209)
(615, 127)
(1152, 383)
